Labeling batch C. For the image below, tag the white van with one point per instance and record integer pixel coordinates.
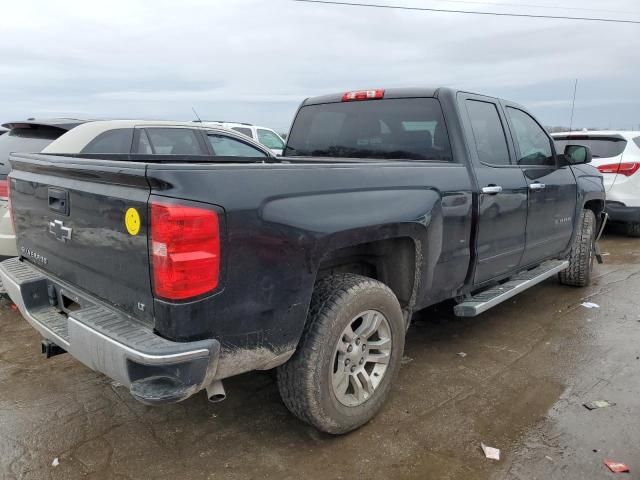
(266, 136)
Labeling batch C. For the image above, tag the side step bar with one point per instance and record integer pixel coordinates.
(483, 301)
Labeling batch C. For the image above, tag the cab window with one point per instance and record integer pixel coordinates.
(488, 133)
(393, 129)
(532, 141)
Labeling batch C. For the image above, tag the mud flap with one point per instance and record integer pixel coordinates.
(596, 247)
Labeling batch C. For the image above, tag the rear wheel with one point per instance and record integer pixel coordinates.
(348, 356)
(581, 257)
(633, 229)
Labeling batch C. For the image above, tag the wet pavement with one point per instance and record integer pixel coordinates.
(530, 364)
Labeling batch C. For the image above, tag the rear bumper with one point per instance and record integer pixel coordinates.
(155, 370)
(623, 214)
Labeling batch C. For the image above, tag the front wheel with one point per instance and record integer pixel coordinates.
(581, 257)
(348, 356)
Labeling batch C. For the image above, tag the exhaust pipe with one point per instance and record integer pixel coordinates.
(215, 392)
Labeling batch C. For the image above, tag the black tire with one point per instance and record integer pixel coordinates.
(305, 381)
(581, 257)
(633, 229)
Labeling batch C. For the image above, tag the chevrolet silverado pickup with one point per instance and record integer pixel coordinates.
(170, 273)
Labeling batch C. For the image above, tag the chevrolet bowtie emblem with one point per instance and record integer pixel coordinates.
(58, 230)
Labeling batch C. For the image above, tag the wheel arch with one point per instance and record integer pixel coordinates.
(392, 261)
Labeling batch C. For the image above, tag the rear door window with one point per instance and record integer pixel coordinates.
(488, 133)
(175, 141)
(117, 140)
(600, 146)
(407, 128)
(270, 139)
(224, 146)
(532, 140)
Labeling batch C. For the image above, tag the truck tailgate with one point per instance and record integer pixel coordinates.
(69, 216)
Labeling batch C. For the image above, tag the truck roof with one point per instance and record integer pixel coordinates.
(388, 93)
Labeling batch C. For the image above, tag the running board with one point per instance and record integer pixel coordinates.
(483, 301)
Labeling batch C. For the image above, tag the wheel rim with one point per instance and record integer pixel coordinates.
(361, 357)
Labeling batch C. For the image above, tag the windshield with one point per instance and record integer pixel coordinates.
(407, 128)
(25, 140)
(601, 147)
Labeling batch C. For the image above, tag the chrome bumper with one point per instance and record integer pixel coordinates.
(155, 369)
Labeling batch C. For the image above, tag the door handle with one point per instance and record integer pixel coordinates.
(59, 200)
(537, 186)
(492, 189)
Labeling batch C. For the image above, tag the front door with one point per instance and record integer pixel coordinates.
(500, 236)
(552, 189)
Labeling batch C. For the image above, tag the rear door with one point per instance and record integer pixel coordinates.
(552, 188)
(500, 238)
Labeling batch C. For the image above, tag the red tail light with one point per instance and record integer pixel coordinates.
(4, 189)
(185, 250)
(628, 168)
(363, 95)
(625, 168)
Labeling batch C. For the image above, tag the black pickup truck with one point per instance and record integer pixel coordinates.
(171, 274)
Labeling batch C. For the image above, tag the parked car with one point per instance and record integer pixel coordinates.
(170, 273)
(24, 136)
(3, 131)
(156, 138)
(617, 156)
(266, 136)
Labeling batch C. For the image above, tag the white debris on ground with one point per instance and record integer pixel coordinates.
(55, 462)
(490, 452)
(461, 354)
(598, 404)
(590, 305)
(406, 360)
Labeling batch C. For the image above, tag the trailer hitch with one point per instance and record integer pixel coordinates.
(50, 349)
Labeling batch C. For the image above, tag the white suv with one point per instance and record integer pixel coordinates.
(266, 136)
(617, 155)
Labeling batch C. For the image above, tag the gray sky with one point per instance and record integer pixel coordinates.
(255, 60)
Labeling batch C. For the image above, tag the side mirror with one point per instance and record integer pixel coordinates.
(577, 154)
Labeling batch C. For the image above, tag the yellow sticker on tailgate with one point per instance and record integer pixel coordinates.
(132, 221)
